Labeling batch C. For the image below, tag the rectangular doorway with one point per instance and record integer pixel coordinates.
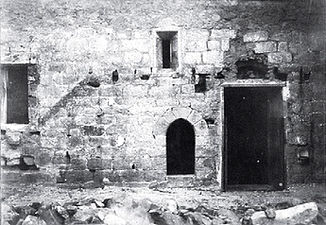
(167, 50)
(253, 138)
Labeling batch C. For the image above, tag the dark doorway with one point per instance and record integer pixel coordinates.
(166, 53)
(180, 148)
(254, 138)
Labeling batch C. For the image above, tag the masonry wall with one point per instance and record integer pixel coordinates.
(84, 127)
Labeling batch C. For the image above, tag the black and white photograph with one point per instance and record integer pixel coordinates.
(163, 112)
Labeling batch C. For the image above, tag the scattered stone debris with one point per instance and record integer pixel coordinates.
(143, 211)
(300, 214)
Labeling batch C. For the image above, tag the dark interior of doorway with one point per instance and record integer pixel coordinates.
(180, 148)
(166, 53)
(253, 141)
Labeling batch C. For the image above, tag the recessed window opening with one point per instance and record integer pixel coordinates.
(180, 148)
(14, 94)
(167, 49)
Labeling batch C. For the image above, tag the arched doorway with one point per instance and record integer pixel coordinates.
(180, 148)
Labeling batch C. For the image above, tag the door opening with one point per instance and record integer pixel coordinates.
(180, 148)
(166, 53)
(167, 50)
(253, 140)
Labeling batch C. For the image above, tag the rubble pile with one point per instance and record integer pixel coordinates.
(128, 211)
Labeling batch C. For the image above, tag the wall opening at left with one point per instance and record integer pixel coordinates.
(14, 94)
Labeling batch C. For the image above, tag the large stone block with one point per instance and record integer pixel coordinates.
(196, 34)
(93, 130)
(188, 89)
(225, 44)
(78, 176)
(181, 112)
(263, 47)
(14, 138)
(141, 34)
(205, 69)
(33, 220)
(133, 57)
(78, 164)
(94, 163)
(192, 58)
(194, 117)
(214, 45)
(255, 36)
(300, 214)
(223, 33)
(279, 57)
(213, 57)
(135, 90)
(196, 46)
(141, 45)
(283, 47)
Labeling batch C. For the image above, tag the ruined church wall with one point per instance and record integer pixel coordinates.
(80, 133)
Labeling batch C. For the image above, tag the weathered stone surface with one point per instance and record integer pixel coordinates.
(50, 215)
(188, 89)
(94, 164)
(225, 44)
(141, 45)
(8, 214)
(33, 220)
(205, 69)
(133, 57)
(28, 160)
(171, 205)
(283, 46)
(213, 57)
(13, 162)
(93, 130)
(181, 112)
(97, 38)
(84, 214)
(196, 46)
(78, 163)
(279, 57)
(214, 45)
(192, 58)
(223, 33)
(62, 211)
(263, 47)
(255, 36)
(112, 218)
(300, 214)
(270, 213)
(14, 138)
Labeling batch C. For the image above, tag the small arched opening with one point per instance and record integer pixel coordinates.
(180, 148)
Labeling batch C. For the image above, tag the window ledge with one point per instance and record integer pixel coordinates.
(14, 127)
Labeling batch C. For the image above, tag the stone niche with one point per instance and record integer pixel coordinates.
(252, 66)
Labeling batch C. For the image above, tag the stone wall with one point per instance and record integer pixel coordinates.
(85, 127)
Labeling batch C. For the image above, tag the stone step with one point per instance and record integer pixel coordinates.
(181, 181)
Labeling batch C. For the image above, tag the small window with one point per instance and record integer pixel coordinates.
(14, 94)
(167, 49)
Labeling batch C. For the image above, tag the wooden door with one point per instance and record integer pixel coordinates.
(253, 138)
(275, 139)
